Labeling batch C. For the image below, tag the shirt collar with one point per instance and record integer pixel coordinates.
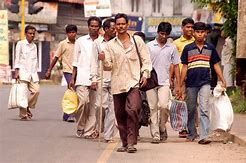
(27, 43)
(183, 39)
(194, 46)
(165, 45)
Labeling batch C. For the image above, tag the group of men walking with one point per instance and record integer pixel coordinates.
(105, 71)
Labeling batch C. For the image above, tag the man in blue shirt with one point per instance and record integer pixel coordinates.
(197, 58)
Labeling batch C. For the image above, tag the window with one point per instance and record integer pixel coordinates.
(177, 7)
(156, 6)
(135, 5)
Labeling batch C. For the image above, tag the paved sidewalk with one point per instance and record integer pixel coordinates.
(238, 130)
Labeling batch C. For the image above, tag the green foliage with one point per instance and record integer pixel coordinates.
(229, 10)
(238, 101)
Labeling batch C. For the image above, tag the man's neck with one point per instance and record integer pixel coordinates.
(200, 44)
(187, 37)
(93, 37)
(71, 40)
(123, 36)
(161, 44)
(106, 37)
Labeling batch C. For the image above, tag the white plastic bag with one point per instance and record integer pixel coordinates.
(18, 96)
(221, 112)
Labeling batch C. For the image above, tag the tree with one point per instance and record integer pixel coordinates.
(229, 10)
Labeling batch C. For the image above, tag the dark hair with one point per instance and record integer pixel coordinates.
(121, 15)
(209, 27)
(71, 27)
(95, 19)
(106, 23)
(200, 26)
(28, 27)
(187, 21)
(141, 34)
(164, 27)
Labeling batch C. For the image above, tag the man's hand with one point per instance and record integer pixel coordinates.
(47, 74)
(94, 85)
(178, 92)
(101, 56)
(143, 81)
(223, 84)
(17, 76)
(71, 84)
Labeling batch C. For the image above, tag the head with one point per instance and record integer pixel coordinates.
(141, 34)
(200, 31)
(71, 31)
(121, 23)
(30, 33)
(187, 27)
(94, 24)
(163, 31)
(109, 27)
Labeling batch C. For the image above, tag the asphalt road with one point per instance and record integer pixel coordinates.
(47, 139)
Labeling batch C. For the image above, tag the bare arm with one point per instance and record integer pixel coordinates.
(72, 82)
(177, 75)
(220, 75)
(47, 74)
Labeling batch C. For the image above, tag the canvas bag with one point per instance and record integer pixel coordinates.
(70, 102)
(152, 82)
(18, 96)
(178, 115)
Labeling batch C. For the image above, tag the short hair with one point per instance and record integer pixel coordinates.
(187, 21)
(106, 23)
(95, 19)
(28, 27)
(164, 27)
(141, 34)
(200, 26)
(121, 15)
(71, 27)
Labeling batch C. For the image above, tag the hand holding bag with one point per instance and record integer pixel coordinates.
(18, 96)
(152, 82)
(70, 102)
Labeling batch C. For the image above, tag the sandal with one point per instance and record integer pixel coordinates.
(121, 149)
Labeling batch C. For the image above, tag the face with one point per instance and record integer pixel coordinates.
(188, 30)
(111, 32)
(94, 28)
(30, 35)
(71, 35)
(200, 35)
(162, 37)
(121, 25)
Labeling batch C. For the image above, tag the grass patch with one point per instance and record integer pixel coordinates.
(238, 101)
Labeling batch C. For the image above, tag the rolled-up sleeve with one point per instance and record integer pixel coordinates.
(77, 51)
(94, 62)
(145, 57)
(107, 63)
(17, 55)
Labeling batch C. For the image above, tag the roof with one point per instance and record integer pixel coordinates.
(72, 1)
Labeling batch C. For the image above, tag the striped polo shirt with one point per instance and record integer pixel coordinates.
(199, 63)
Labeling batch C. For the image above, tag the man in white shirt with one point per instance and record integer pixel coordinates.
(162, 54)
(86, 114)
(104, 95)
(26, 68)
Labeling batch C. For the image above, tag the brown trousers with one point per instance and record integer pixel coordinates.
(127, 106)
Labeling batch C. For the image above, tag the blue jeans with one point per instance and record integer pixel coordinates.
(203, 94)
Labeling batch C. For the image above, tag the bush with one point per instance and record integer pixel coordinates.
(238, 101)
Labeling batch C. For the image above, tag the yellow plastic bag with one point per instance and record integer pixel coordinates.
(70, 102)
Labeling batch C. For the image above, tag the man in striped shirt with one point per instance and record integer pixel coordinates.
(197, 58)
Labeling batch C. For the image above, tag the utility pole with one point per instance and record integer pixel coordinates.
(23, 5)
(241, 47)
